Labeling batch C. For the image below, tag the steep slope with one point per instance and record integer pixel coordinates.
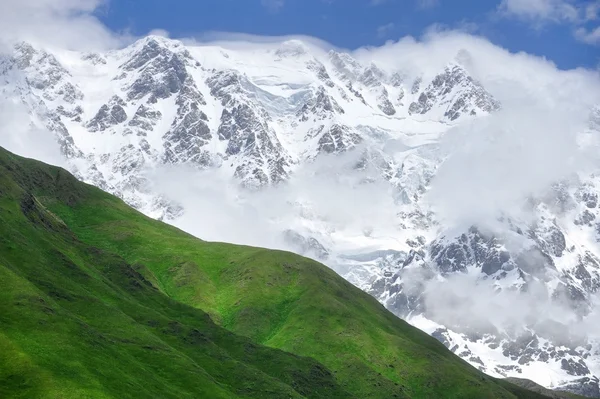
(256, 114)
(93, 306)
(77, 321)
(264, 116)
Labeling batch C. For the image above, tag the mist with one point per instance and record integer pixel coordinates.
(325, 198)
(466, 304)
(492, 166)
(19, 135)
(66, 24)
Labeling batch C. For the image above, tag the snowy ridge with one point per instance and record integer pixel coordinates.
(259, 116)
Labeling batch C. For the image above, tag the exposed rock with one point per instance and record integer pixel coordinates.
(108, 115)
(574, 368)
(384, 103)
(472, 248)
(145, 118)
(337, 138)
(321, 106)
(454, 87)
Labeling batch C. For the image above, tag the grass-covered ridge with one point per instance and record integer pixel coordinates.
(100, 301)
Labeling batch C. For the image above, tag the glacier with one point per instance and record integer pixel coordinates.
(417, 183)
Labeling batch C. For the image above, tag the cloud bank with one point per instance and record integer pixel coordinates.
(492, 164)
(19, 135)
(63, 23)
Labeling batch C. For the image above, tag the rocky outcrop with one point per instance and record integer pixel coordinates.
(108, 115)
(162, 107)
(457, 91)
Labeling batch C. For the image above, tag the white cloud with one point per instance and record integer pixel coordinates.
(496, 162)
(19, 135)
(384, 30)
(65, 23)
(588, 36)
(328, 192)
(242, 40)
(541, 12)
(531, 142)
(592, 10)
(463, 303)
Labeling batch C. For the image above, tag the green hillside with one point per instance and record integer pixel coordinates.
(99, 301)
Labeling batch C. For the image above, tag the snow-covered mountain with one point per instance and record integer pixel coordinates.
(262, 117)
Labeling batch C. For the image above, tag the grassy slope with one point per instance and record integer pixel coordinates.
(275, 298)
(79, 322)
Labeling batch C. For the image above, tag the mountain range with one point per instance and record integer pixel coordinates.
(339, 157)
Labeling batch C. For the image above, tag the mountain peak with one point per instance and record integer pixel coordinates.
(156, 40)
(23, 55)
(151, 48)
(292, 48)
(345, 64)
(264, 120)
(454, 86)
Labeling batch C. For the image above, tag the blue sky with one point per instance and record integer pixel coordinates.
(564, 31)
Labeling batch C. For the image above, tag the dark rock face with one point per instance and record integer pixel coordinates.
(503, 369)
(336, 139)
(189, 131)
(472, 248)
(24, 54)
(94, 58)
(397, 79)
(587, 272)
(161, 71)
(145, 119)
(465, 102)
(74, 114)
(247, 131)
(589, 387)
(522, 349)
(321, 72)
(372, 76)
(108, 115)
(223, 85)
(574, 368)
(241, 127)
(440, 335)
(45, 74)
(384, 103)
(356, 93)
(416, 86)
(346, 67)
(585, 218)
(184, 142)
(588, 196)
(550, 239)
(320, 107)
(64, 139)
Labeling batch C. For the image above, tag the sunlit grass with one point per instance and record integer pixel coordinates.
(99, 301)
